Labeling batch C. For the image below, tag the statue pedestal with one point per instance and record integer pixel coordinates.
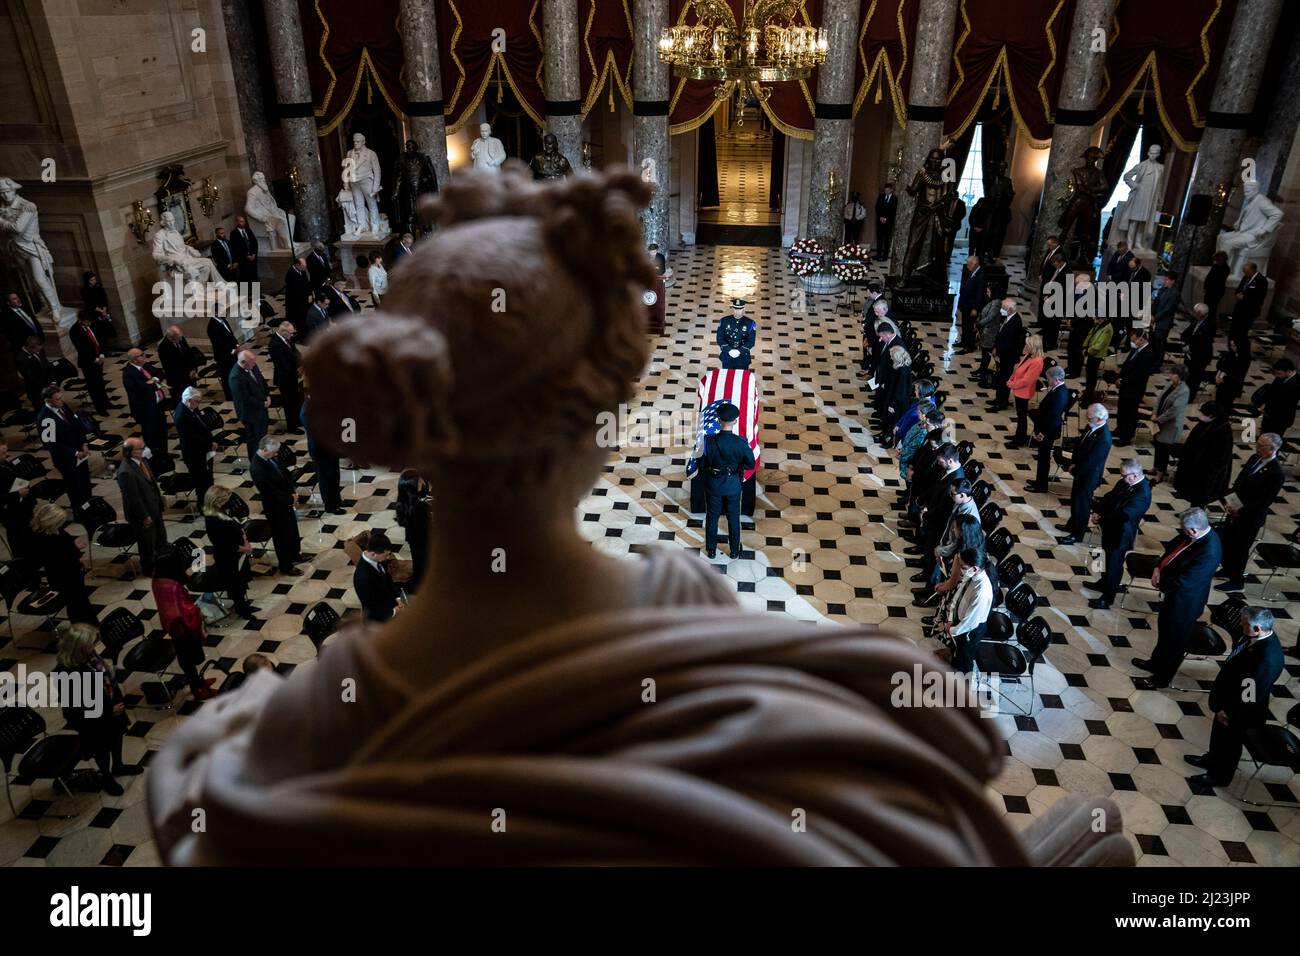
(272, 265)
(1197, 293)
(1150, 258)
(60, 321)
(351, 246)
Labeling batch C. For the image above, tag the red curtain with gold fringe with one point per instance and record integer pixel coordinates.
(1170, 60)
(884, 53)
(1013, 50)
(352, 50)
(478, 62)
(605, 63)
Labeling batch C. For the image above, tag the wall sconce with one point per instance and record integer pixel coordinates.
(141, 221)
(208, 196)
(1221, 193)
(586, 156)
(295, 179)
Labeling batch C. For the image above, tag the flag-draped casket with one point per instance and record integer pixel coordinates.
(740, 388)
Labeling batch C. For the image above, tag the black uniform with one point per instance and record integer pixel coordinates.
(726, 457)
(67, 439)
(142, 384)
(1049, 419)
(739, 334)
(284, 365)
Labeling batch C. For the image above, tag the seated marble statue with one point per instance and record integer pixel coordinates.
(1255, 234)
(261, 208)
(174, 256)
(616, 711)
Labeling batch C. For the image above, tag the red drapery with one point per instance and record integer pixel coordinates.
(884, 53)
(352, 50)
(1170, 59)
(605, 65)
(474, 57)
(1015, 48)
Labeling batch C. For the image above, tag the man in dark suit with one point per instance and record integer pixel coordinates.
(224, 257)
(327, 467)
(145, 393)
(298, 290)
(1133, 377)
(90, 359)
(1048, 264)
(35, 369)
(1049, 418)
(378, 593)
(886, 211)
(19, 324)
(1117, 264)
(317, 318)
(1165, 304)
(870, 314)
(225, 345)
(1183, 576)
(142, 501)
(1277, 399)
(243, 247)
(1248, 302)
(178, 362)
(318, 265)
(932, 485)
(278, 498)
(1138, 276)
(1118, 513)
(249, 394)
(970, 299)
(195, 440)
(1239, 697)
(1255, 489)
(341, 302)
(1051, 302)
(1008, 345)
(727, 457)
(1087, 464)
(65, 440)
(284, 364)
(404, 248)
(1199, 337)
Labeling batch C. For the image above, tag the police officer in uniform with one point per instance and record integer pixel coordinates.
(726, 458)
(736, 334)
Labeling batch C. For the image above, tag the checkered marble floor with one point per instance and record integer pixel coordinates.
(822, 547)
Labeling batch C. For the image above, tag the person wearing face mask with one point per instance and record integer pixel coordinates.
(142, 501)
(378, 593)
(967, 613)
(195, 440)
(1008, 345)
(145, 393)
(1118, 514)
(1133, 377)
(1239, 698)
(1183, 576)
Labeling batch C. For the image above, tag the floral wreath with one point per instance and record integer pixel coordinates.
(850, 262)
(807, 257)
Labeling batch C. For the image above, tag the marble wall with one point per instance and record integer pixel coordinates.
(112, 91)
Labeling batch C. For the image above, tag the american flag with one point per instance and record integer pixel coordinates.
(740, 388)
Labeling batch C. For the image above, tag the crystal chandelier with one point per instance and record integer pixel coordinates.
(768, 46)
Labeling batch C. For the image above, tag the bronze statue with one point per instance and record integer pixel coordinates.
(934, 220)
(999, 196)
(550, 162)
(1080, 222)
(414, 178)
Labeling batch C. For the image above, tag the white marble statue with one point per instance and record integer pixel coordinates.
(175, 257)
(361, 175)
(21, 242)
(487, 152)
(1136, 221)
(347, 202)
(1256, 230)
(261, 208)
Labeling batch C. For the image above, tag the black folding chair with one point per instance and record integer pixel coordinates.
(1011, 571)
(151, 654)
(1276, 557)
(991, 516)
(973, 470)
(319, 623)
(1273, 745)
(964, 451)
(40, 756)
(999, 543)
(1022, 601)
(1011, 662)
(1139, 567)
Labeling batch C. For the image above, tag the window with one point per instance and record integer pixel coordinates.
(1121, 188)
(971, 185)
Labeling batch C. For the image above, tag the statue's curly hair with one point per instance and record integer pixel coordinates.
(503, 336)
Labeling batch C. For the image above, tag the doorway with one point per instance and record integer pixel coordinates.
(742, 160)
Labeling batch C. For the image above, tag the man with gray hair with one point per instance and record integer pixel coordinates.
(1239, 697)
(1087, 464)
(1183, 577)
(1255, 489)
(142, 501)
(1199, 337)
(195, 439)
(1049, 418)
(276, 487)
(1118, 514)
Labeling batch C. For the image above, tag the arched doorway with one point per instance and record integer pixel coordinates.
(746, 154)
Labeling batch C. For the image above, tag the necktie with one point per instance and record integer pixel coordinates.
(93, 341)
(144, 467)
(28, 319)
(1175, 553)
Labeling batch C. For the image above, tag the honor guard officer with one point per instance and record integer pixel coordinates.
(727, 457)
(736, 336)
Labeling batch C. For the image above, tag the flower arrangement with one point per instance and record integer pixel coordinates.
(807, 258)
(850, 262)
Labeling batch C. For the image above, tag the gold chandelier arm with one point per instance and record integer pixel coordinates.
(714, 11)
(767, 10)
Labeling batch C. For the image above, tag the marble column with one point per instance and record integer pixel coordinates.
(650, 113)
(833, 124)
(424, 83)
(1075, 116)
(1283, 122)
(1218, 160)
(297, 114)
(248, 86)
(926, 102)
(560, 51)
